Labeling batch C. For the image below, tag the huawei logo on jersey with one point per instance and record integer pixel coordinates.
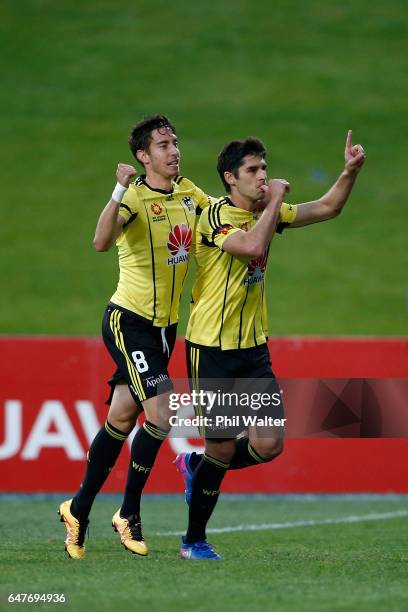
(256, 270)
(179, 243)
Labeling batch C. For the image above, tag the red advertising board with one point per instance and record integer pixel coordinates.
(52, 394)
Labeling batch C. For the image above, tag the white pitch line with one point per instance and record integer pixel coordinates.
(379, 516)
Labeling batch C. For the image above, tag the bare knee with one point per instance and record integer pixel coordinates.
(222, 450)
(125, 424)
(123, 411)
(268, 449)
(157, 411)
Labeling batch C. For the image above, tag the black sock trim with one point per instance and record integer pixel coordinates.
(154, 431)
(114, 432)
(216, 462)
(255, 455)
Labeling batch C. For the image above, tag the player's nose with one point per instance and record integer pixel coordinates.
(174, 151)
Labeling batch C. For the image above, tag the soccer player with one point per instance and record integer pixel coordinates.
(151, 220)
(226, 334)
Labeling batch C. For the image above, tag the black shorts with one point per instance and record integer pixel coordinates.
(242, 385)
(141, 352)
(212, 362)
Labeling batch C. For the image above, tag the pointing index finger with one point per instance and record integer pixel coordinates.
(349, 139)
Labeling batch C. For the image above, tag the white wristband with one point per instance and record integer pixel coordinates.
(118, 192)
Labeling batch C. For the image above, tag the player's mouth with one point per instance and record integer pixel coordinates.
(174, 163)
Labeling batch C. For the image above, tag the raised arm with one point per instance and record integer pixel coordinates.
(255, 242)
(110, 222)
(331, 203)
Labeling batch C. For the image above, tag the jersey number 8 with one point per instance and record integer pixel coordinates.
(140, 361)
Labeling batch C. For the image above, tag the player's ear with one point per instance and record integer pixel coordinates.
(142, 156)
(229, 178)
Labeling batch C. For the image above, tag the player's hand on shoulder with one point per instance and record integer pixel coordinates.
(125, 173)
(354, 155)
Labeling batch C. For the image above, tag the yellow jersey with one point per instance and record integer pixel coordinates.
(154, 246)
(228, 300)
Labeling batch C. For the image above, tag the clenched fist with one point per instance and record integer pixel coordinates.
(125, 173)
(274, 190)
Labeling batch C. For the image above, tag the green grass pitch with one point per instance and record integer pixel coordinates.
(301, 554)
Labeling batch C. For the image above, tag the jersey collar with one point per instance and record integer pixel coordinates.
(164, 191)
(228, 200)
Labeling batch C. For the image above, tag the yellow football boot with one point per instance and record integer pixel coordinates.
(130, 531)
(76, 530)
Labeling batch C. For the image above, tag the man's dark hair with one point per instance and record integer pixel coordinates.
(231, 157)
(141, 134)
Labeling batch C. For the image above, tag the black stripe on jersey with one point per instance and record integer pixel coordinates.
(210, 215)
(280, 227)
(126, 207)
(207, 242)
(178, 180)
(189, 226)
(225, 299)
(153, 269)
(218, 215)
(131, 218)
(174, 273)
(215, 216)
(241, 317)
(263, 288)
